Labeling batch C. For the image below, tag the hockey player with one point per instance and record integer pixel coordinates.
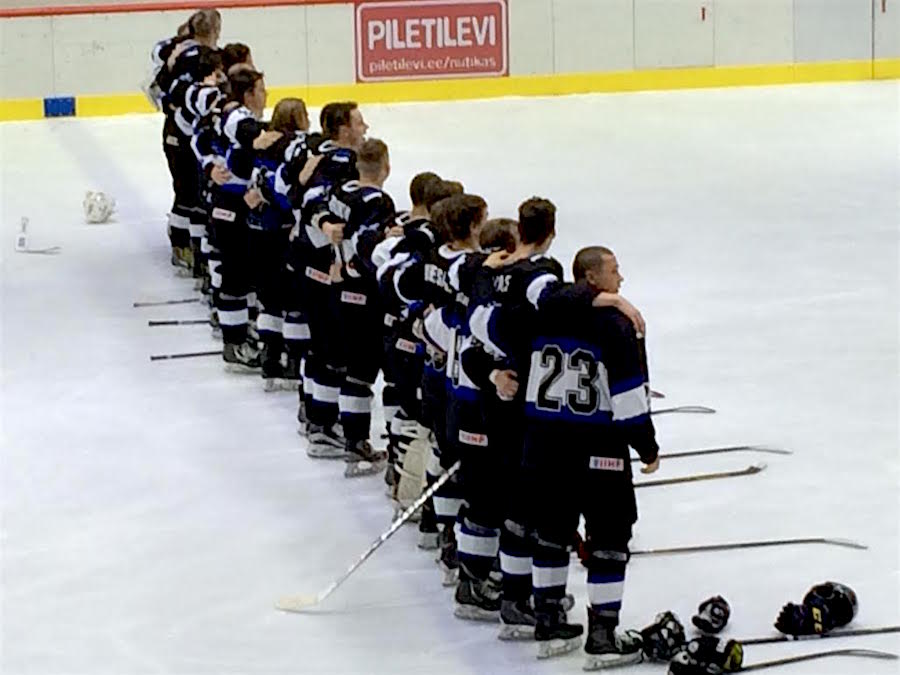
(182, 61)
(491, 423)
(507, 293)
(408, 285)
(269, 222)
(586, 403)
(358, 213)
(398, 363)
(245, 133)
(316, 265)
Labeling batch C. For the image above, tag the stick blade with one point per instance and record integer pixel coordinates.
(846, 543)
(769, 449)
(756, 468)
(870, 653)
(297, 603)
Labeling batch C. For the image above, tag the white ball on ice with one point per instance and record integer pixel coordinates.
(98, 207)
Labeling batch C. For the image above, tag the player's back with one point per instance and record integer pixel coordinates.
(585, 385)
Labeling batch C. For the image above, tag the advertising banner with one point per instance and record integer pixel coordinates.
(427, 39)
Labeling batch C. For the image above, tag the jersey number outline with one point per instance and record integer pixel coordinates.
(584, 398)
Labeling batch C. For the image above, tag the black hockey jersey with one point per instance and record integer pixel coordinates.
(504, 302)
(365, 211)
(587, 397)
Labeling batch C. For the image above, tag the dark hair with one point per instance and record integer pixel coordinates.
(499, 234)
(438, 190)
(537, 220)
(287, 115)
(334, 116)
(234, 52)
(590, 258)
(463, 213)
(371, 156)
(204, 23)
(242, 82)
(439, 213)
(209, 61)
(419, 186)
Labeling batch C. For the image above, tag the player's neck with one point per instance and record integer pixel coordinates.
(463, 245)
(369, 181)
(418, 212)
(526, 251)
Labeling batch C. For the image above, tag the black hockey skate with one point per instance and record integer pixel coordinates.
(553, 634)
(214, 325)
(302, 419)
(516, 620)
(272, 370)
(429, 536)
(363, 460)
(447, 558)
(291, 373)
(324, 443)
(607, 649)
(242, 358)
(476, 600)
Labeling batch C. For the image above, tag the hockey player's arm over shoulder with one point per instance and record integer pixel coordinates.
(629, 392)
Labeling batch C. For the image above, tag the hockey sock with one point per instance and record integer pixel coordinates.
(549, 572)
(252, 306)
(355, 405)
(179, 230)
(477, 548)
(606, 583)
(296, 334)
(324, 388)
(390, 403)
(233, 317)
(270, 326)
(515, 561)
(447, 501)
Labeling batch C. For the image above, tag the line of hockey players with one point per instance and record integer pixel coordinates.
(537, 387)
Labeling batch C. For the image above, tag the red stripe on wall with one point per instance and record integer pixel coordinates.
(132, 7)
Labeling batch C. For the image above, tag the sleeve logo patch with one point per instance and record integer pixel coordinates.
(407, 346)
(353, 298)
(224, 214)
(318, 275)
(607, 464)
(467, 437)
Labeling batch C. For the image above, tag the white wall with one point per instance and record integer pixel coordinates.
(832, 30)
(761, 31)
(296, 45)
(26, 64)
(887, 28)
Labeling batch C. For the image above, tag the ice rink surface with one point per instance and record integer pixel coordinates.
(153, 512)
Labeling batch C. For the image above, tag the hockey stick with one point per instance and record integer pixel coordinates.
(862, 653)
(159, 303)
(695, 478)
(50, 250)
(656, 394)
(183, 322)
(186, 355)
(299, 603)
(684, 409)
(704, 548)
(853, 632)
(718, 451)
